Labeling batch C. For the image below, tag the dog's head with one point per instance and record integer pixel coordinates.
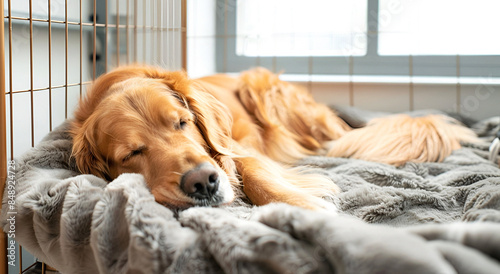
(153, 122)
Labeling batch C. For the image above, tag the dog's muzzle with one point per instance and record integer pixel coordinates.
(201, 182)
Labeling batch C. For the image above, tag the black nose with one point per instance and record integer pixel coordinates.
(200, 182)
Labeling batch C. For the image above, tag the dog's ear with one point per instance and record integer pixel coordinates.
(85, 151)
(212, 117)
(213, 120)
(214, 123)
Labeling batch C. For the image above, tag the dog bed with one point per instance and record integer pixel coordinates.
(418, 218)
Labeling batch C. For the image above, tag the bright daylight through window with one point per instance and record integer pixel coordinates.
(301, 28)
(444, 27)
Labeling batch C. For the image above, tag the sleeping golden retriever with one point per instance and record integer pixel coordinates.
(196, 140)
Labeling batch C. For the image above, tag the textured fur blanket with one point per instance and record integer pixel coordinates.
(418, 218)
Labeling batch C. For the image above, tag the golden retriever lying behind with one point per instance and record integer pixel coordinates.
(194, 140)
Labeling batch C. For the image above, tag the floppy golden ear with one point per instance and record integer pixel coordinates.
(213, 121)
(85, 152)
(212, 117)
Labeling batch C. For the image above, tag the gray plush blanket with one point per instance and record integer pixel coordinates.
(419, 218)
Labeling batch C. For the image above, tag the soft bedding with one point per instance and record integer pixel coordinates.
(418, 218)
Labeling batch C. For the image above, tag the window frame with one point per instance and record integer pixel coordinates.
(371, 64)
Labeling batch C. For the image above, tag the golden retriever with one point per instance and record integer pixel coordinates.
(196, 140)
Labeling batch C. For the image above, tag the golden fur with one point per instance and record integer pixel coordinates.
(398, 139)
(161, 124)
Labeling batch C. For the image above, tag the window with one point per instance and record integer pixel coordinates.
(367, 38)
(445, 27)
(299, 28)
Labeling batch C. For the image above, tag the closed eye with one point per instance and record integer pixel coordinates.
(135, 152)
(182, 124)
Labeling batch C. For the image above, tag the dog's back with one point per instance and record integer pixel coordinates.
(279, 119)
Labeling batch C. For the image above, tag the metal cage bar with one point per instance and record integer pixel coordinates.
(66, 37)
(117, 32)
(81, 50)
(106, 40)
(94, 41)
(127, 38)
(32, 101)
(184, 34)
(50, 70)
(3, 139)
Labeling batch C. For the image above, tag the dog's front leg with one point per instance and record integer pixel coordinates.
(265, 181)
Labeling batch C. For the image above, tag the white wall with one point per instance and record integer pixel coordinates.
(475, 101)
